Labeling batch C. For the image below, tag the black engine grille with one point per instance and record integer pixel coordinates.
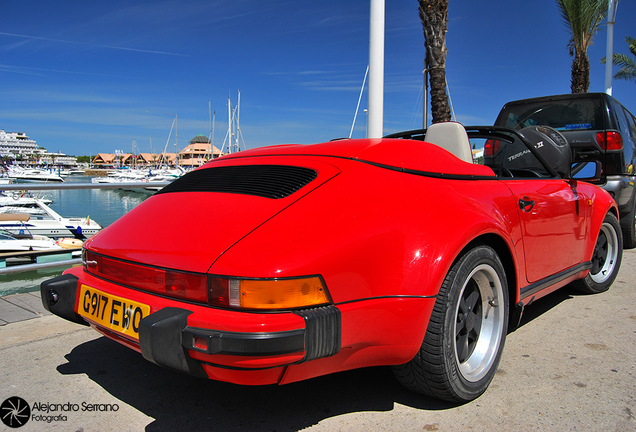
(269, 181)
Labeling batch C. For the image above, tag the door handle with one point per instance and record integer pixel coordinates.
(526, 205)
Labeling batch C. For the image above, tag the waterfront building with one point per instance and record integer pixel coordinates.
(168, 159)
(198, 152)
(126, 159)
(58, 159)
(146, 159)
(20, 149)
(17, 145)
(104, 159)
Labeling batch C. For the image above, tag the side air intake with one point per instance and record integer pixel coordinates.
(269, 181)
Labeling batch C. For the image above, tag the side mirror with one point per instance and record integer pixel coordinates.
(589, 170)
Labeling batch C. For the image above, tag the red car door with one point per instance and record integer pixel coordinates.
(553, 217)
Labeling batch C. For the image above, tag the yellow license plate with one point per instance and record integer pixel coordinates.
(114, 313)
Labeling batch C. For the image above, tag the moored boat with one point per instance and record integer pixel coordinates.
(37, 175)
(11, 242)
(43, 220)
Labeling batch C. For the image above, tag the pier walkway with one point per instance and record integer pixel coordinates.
(21, 307)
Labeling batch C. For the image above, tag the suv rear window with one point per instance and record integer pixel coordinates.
(564, 115)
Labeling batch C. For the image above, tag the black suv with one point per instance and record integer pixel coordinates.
(597, 127)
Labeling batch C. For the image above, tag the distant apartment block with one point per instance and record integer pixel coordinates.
(22, 150)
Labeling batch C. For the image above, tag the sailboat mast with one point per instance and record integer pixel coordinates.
(238, 124)
(176, 140)
(229, 125)
(165, 149)
(134, 161)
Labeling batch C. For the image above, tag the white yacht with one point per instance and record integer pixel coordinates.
(10, 242)
(20, 199)
(40, 219)
(39, 175)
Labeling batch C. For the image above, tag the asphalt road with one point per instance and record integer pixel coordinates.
(571, 366)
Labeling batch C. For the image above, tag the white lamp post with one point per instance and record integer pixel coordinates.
(611, 19)
(375, 119)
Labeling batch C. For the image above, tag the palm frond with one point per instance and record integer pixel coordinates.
(583, 18)
(627, 64)
(632, 44)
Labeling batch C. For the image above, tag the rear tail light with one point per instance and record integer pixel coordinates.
(609, 140)
(491, 147)
(190, 286)
(237, 293)
(268, 293)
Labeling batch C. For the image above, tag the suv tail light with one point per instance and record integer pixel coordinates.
(491, 147)
(609, 140)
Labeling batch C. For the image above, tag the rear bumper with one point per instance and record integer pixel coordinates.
(165, 338)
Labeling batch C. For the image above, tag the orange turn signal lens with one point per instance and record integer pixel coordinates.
(268, 293)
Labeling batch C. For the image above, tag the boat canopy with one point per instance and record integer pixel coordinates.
(19, 217)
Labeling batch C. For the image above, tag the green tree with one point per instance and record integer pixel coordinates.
(582, 18)
(86, 159)
(434, 17)
(627, 65)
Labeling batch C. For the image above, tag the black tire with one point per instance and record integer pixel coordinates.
(606, 258)
(628, 226)
(471, 311)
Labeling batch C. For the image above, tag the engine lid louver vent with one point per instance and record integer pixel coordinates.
(269, 181)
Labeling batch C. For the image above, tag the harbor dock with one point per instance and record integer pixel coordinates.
(21, 307)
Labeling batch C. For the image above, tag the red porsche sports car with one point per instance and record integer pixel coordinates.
(279, 264)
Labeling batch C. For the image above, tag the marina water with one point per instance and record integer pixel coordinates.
(104, 206)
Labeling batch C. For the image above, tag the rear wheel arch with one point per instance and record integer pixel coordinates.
(505, 255)
(466, 333)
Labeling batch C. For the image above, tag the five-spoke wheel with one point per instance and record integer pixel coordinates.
(606, 259)
(466, 332)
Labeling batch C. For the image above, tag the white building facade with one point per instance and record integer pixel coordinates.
(16, 143)
(18, 147)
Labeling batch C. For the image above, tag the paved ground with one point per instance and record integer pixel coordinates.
(571, 366)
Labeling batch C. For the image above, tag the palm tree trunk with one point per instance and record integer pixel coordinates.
(434, 17)
(580, 73)
(440, 107)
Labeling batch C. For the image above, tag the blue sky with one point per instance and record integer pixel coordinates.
(83, 77)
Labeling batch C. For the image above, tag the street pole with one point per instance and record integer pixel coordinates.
(609, 56)
(375, 120)
(425, 101)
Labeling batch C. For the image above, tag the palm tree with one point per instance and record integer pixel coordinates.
(583, 18)
(627, 65)
(434, 17)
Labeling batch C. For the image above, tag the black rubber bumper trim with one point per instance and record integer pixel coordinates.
(320, 338)
(245, 344)
(160, 341)
(165, 338)
(323, 330)
(58, 297)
